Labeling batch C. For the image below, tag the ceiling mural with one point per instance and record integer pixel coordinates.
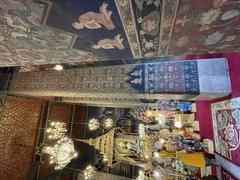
(208, 26)
(147, 17)
(96, 24)
(23, 40)
(48, 32)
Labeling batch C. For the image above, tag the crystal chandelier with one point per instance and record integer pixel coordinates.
(57, 130)
(89, 172)
(62, 153)
(105, 159)
(108, 123)
(93, 124)
(141, 130)
(141, 175)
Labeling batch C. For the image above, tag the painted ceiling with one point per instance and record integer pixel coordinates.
(76, 31)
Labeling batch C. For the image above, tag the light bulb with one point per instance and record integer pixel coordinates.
(162, 140)
(178, 124)
(58, 67)
(75, 154)
(156, 155)
(156, 174)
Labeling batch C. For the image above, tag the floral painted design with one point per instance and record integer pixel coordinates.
(236, 116)
(211, 27)
(170, 7)
(219, 3)
(227, 175)
(147, 17)
(182, 41)
(148, 45)
(223, 147)
(149, 25)
(123, 3)
(214, 38)
(230, 14)
(210, 16)
(226, 119)
(222, 119)
(231, 135)
(231, 38)
(125, 12)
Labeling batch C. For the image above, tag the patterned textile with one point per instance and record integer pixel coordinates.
(227, 176)
(226, 123)
(170, 77)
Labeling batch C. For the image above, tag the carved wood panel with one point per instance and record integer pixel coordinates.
(18, 133)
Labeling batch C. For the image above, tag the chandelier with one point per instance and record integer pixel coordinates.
(141, 130)
(93, 124)
(62, 153)
(108, 123)
(57, 130)
(141, 175)
(89, 172)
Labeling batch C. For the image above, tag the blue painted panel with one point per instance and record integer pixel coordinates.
(64, 13)
(172, 77)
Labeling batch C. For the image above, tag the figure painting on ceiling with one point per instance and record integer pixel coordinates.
(117, 42)
(93, 20)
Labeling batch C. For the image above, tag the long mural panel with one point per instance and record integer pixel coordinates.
(35, 32)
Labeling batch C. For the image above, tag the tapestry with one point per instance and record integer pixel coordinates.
(226, 124)
(226, 175)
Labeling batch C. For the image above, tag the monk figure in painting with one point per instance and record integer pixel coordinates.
(117, 42)
(93, 20)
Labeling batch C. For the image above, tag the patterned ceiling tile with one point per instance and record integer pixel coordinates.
(202, 27)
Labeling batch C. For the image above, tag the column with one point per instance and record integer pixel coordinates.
(158, 80)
